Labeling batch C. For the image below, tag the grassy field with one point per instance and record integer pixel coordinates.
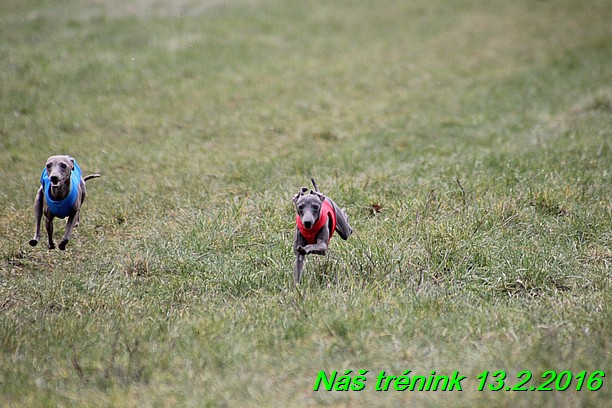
(469, 142)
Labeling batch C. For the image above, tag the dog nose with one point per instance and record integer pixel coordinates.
(54, 179)
(307, 224)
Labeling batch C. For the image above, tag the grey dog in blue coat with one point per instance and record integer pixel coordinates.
(61, 195)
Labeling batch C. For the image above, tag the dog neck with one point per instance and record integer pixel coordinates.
(60, 192)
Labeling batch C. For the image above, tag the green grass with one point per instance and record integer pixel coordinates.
(481, 130)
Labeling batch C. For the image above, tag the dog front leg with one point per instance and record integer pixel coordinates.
(72, 219)
(320, 248)
(298, 268)
(38, 211)
(298, 243)
(49, 228)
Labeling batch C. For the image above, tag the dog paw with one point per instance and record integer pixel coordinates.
(301, 250)
(33, 242)
(51, 246)
(62, 245)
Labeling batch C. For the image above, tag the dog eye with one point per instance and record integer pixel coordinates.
(48, 165)
(300, 207)
(63, 165)
(315, 207)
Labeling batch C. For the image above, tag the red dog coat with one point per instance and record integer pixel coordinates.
(310, 235)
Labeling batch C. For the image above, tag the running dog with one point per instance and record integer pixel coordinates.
(61, 195)
(318, 217)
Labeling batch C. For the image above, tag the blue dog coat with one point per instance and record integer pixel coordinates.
(61, 208)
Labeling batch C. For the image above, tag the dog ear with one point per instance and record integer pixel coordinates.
(72, 162)
(302, 191)
(321, 196)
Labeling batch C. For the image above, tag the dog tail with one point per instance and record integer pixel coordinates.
(91, 176)
(314, 184)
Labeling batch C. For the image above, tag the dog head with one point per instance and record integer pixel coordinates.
(59, 169)
(308, 206)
